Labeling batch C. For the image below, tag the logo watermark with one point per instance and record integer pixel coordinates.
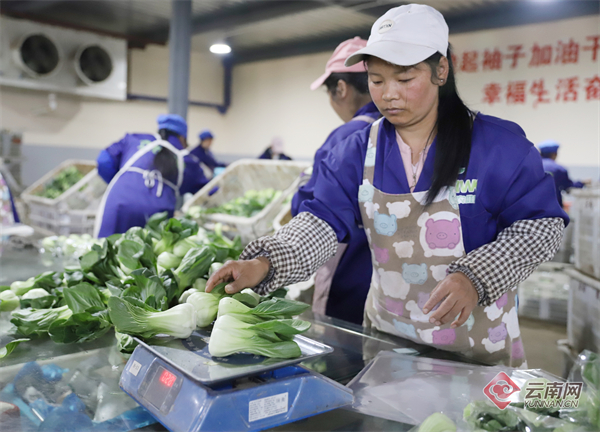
(499, 390)
(536, 394)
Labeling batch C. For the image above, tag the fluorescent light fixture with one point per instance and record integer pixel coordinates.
(220, 48)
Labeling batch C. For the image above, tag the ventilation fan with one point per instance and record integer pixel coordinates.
(37, 55)
(93, 64)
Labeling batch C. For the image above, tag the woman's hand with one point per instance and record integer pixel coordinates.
(241, 274)
(457, 295)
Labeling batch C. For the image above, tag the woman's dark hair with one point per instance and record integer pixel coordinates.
(358, 80)
(165, 160)
(454, 127)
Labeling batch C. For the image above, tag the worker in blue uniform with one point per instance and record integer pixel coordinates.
(549, 152)
(275, 150)
(146, 174)
(342, 284)
(8, 210)
(203, 153)
(455, 204)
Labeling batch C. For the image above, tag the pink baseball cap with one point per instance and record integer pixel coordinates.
(335, 64)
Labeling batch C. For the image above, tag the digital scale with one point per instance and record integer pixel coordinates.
(188, 390)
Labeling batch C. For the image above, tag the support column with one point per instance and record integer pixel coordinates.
(180, 34)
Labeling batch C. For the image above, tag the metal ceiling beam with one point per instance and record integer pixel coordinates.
(519, 13)
(49, 12)
(249, 12)
(31, 6)
(485, 17)
(297, 47)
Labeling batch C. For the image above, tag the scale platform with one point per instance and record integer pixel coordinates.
(188, 390)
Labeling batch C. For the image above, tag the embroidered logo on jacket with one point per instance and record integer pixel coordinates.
(467, 187)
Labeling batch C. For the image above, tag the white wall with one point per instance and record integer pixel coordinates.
(575, 124)
(273, 98)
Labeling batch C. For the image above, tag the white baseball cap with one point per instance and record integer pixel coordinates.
(405, 35)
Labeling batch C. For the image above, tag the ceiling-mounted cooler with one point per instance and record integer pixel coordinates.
(93, 64)
(44, 57)
(37, 55)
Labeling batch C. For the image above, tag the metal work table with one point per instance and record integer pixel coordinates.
(353, 346)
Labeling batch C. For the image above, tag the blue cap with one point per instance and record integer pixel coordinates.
(547, 147)
(205, 134)
(173, 122)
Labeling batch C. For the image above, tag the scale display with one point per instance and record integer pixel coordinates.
(160, 387)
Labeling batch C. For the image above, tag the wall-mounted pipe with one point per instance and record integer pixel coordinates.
(222, 108)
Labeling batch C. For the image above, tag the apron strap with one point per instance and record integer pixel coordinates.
(369, 171)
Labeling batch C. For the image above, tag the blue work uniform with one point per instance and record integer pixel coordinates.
(206, 157)
(561, 178)
(504, 181)
(6, 197)
(268, 154)
(352, 278)
(134, 196)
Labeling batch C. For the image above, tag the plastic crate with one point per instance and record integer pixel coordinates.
(74, 211)
(544, 295)
(583, 325)
(236, 180)
(586, 237)
(283, 217)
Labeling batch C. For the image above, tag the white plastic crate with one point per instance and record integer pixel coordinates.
(236, 180)
(586, 218)
(583, 325)
(544, 295)
(283, 217)
(74, 211)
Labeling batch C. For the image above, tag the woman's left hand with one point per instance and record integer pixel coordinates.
(458, 298)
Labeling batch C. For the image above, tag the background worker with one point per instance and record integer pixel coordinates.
(549, 151)
(146, 174)
(342, 284)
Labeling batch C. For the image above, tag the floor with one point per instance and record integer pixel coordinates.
(540, 340)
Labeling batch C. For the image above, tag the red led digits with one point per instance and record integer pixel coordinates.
(167, 378)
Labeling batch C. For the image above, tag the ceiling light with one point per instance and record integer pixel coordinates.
(220, 48)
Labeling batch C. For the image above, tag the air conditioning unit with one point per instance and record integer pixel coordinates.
(44, 57)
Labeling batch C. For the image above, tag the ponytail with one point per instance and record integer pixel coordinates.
(454, 130)
(165, 160)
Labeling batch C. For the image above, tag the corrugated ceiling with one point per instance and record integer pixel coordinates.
(261, 28)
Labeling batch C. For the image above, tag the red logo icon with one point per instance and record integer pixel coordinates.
(499, 389)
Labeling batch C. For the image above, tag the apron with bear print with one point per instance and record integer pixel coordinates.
(411, 247)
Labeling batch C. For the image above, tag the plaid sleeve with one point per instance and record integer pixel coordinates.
(295, 252)
(498, 266)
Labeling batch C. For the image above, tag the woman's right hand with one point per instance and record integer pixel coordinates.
(240, 275)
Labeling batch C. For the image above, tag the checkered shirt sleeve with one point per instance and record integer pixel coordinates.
(501, 265)
(295, 252)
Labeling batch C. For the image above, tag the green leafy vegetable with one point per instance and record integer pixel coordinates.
(79, 327)
(248, 205)
(194, 265)
(139, 319)
(437, 422)
(21, 287)
(168, 260)
(37, 321)
(200, 284)
(9, 347)
(485, 416)
(63, 181)
(8, 301)
(125, 343)
(248, 297)
(83, 298)
(230, 336)
(37, 298)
